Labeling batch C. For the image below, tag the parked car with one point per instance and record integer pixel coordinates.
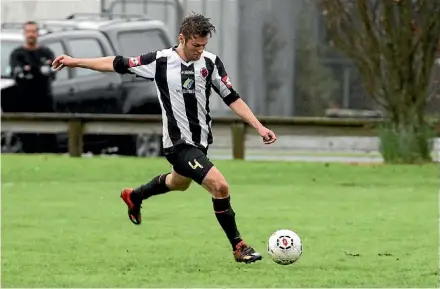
(85, 91)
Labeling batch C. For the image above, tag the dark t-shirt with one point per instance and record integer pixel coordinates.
(31, 69)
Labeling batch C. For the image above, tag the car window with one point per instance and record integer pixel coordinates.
(58, 49)
(139, 42)
(6, 49)
(85, 48)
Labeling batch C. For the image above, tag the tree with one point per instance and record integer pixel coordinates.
(316, 82)
(393, 45)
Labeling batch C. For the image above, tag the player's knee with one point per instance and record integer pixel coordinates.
(216, 184)
(220, 189)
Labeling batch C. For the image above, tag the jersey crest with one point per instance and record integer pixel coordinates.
(204, 72)
(134, 61)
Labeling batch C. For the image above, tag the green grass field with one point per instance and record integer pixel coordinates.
(64, 225)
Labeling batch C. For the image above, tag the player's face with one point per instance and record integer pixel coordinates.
(31, 34)
(194, 47)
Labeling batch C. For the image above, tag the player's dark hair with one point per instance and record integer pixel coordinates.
(30, 23)
(196, 25)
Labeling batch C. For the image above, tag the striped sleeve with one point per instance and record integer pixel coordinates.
(222, 83)
(143, 65)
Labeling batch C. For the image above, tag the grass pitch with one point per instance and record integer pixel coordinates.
(64, 225)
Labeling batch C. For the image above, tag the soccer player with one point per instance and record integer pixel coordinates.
(184, 76)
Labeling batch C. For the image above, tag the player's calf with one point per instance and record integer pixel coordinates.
(216, 184)
(162, 184)
(226, 217)
(156, 186)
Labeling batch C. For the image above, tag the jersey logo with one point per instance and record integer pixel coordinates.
(227, 81)
(188, 83)
(134, 61)
(204, 72)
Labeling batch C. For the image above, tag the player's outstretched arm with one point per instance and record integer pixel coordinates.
(143, 65)
(242, 110)
(103, 64)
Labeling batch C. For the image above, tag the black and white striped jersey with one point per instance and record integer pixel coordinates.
(183, 89)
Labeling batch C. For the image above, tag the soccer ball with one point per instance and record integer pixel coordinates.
(284, 247)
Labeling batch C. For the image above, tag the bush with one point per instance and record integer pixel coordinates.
(406, 144)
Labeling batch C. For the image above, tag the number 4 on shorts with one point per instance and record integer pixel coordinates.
(195, 164)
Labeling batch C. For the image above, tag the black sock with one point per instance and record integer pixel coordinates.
(156, 186)
(226, 217)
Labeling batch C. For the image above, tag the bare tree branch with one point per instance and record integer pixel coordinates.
(393, 45)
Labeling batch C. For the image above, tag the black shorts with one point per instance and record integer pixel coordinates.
(189, 161)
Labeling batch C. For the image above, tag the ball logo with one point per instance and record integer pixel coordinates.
(284, 242)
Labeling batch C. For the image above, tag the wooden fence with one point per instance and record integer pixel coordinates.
(76, 125)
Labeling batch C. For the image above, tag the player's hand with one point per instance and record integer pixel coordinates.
(62, 61)
(267, 135)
